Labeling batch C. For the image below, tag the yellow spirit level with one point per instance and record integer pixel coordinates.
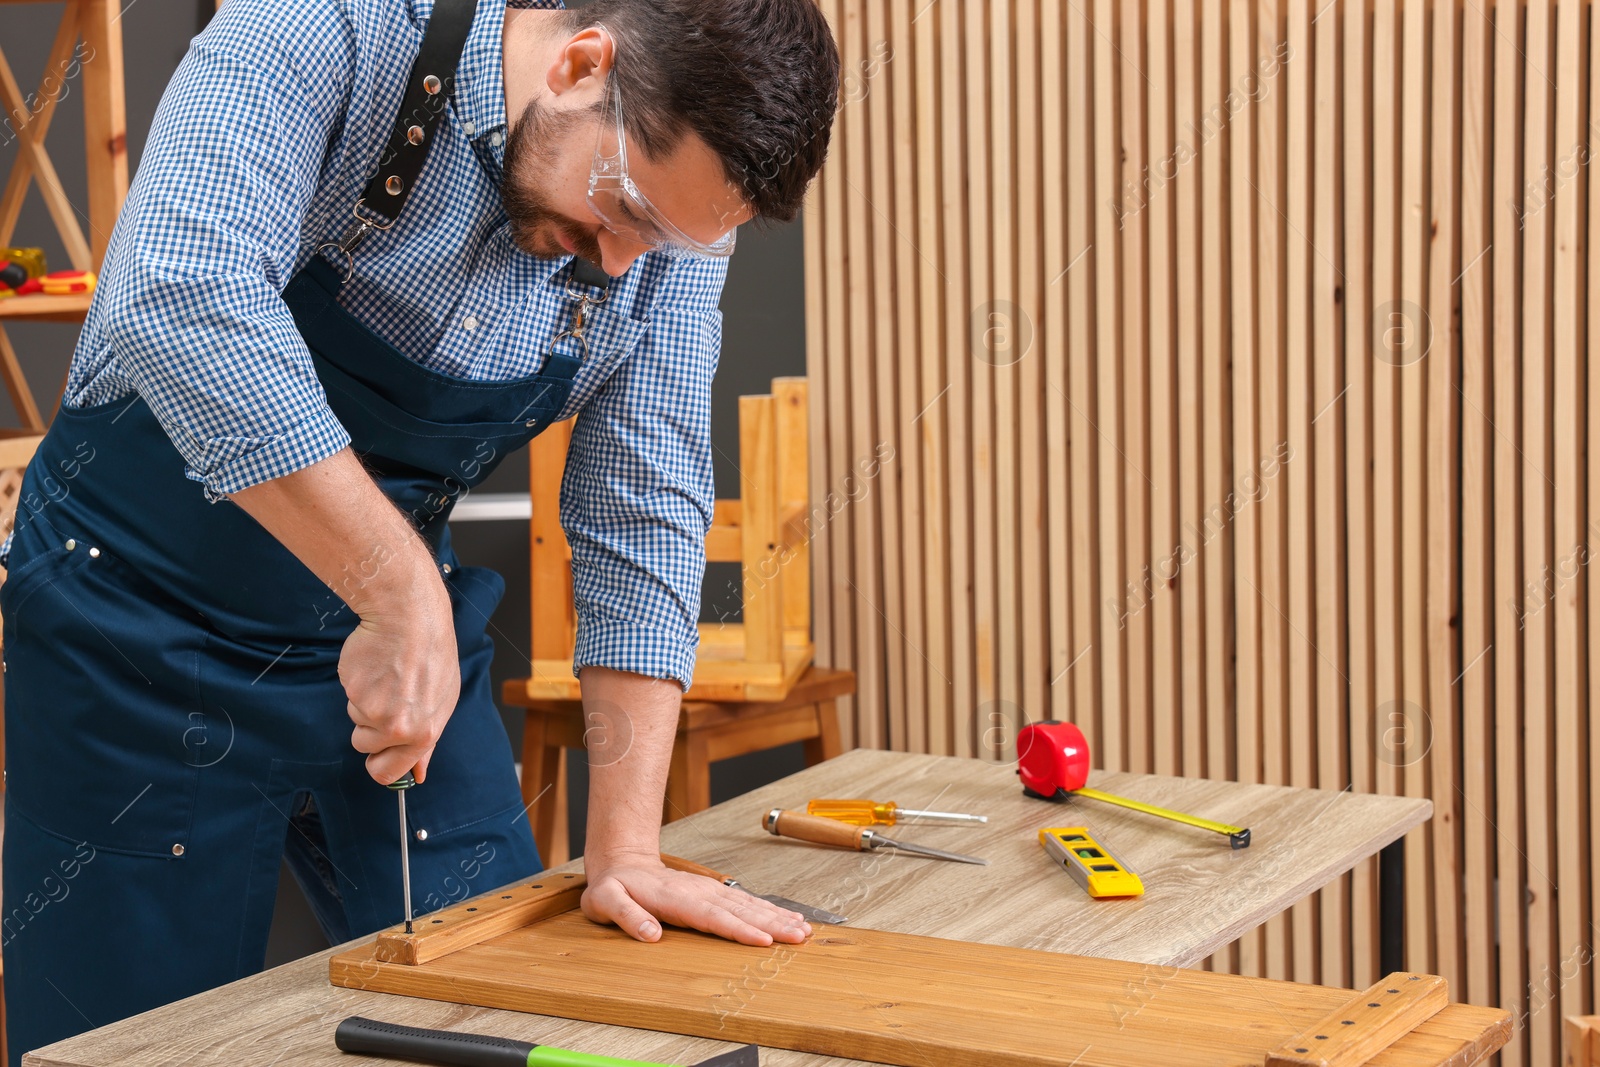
(1091, 865)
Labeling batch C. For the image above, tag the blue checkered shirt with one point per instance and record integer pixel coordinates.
(264, 140)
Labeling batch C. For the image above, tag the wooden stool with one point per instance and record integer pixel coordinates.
(707, 732)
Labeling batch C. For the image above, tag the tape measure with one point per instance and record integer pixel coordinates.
(1090, 863)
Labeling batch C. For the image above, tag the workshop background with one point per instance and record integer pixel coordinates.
(1212, 375)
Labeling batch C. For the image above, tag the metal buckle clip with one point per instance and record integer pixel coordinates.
(354, 234)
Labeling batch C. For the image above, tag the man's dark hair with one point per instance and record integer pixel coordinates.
(757, 80)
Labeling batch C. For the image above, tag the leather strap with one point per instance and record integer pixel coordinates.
(427, 95)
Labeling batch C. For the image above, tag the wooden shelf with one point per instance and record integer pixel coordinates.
(45, 308)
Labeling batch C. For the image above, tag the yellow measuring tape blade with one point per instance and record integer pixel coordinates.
(1234, 833)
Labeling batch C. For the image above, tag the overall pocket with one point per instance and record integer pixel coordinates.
(100, 681)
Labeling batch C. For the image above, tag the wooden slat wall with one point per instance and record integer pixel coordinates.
(1215, 375)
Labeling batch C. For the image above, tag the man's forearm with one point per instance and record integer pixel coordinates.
(629, 725)
(336, 521)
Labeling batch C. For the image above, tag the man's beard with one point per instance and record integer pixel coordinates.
(528, 174)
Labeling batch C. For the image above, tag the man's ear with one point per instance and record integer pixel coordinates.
(586, 55)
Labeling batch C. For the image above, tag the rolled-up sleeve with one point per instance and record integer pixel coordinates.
(210, 236)
(637, 497)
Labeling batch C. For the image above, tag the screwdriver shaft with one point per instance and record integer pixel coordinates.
(957, 817)
(405, 859)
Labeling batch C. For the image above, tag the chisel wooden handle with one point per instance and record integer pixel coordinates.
(816, 829)
(678, 863)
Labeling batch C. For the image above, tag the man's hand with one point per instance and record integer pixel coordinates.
(400, 667)
(638, 894)
(402, 675)
(630, 723)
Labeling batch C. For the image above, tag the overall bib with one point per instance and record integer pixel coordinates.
(175, 726)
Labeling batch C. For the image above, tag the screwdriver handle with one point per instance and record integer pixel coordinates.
(854, 812)
(816, 829)
(405, 781)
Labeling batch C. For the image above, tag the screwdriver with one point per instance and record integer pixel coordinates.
(872, 813)
(821, 831)
(400, 785)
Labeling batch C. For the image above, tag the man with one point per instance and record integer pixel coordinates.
(357, 268)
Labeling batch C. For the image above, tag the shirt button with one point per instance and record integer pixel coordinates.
(469, 323)
(495, 138)
(470, 128)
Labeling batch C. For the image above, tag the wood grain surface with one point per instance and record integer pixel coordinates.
(1199, 896)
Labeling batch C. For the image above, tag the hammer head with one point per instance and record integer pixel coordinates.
(739, 1057)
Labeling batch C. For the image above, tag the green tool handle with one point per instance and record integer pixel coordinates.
(450, 1049)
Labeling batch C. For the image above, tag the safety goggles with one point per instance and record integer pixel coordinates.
(619, 205)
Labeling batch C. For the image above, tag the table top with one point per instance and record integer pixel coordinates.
(1199, 896)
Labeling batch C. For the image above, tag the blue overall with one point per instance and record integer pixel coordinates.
(174, 719)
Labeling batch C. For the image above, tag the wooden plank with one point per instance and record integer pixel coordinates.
(881, 287)
(899, 61)
(931, 401)
(1571, 541)
(1538, 502)
(1414, 242)
(17, 387)
(1032, 398)
(1216, 478)
(1190, 582)
(1158, 595)
(1357, 152)
(982, 224)
(1104, 406)
(1510, 862)
(1004, 370)
(959, 300)
(1326, 435)
(1443, 501)
(865, 572)
(1592, 528)
(791, 426)
(105, 123)
(833, 543)
(761, 598)
(1272, 237)
(1054, 338)
(472, 922)
(554, 621)
(1298, 475)
(1366, 1024)
(1132, 356)
(1478, 520)
(1082, 442)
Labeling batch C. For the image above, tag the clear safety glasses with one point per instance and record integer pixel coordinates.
(619, 204)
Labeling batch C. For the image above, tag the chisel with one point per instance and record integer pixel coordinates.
(404, 782)
(451, 1049)
(821, 831)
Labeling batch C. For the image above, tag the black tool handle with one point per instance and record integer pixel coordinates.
(444, 1047)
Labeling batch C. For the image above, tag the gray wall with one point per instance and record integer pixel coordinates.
(764, 337)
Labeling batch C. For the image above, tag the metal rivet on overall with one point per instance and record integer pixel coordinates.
(392, 185)
(431, 84)
(445, 568)
(415, 134)
(531, 423)
(94, 553)
(422, 835)
(177, 850)
(72, 543)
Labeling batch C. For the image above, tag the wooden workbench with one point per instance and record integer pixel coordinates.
(1200, 895)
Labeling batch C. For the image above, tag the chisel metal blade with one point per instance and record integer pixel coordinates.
(812, 913)
(924, 850)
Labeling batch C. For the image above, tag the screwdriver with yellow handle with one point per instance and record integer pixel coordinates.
(886, 813)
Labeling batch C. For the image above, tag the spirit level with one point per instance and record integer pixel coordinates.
(1090, 863)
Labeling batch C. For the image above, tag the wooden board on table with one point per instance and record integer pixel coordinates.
(904, 999)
